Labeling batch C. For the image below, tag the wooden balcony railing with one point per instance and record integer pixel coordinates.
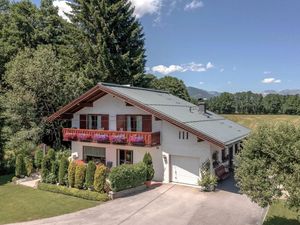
(112, 137)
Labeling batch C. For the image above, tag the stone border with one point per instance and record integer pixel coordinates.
(113, 195)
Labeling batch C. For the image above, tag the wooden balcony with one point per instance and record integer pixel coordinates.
(112, 137)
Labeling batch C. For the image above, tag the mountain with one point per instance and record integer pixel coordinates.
(283, 92)
(200, 93)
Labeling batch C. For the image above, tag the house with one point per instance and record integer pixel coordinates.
(115, 124)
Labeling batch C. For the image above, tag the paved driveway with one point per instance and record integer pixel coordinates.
(172, 205)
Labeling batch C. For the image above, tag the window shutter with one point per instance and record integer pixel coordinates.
(105, 122)
(82, 121)
(147, 123)
(121, 123)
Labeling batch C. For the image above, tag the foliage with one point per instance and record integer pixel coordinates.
(106, 53)
(100, 178)
(46, 168)
(269, 164)
(20, 166)
(71, 173)
(208, 181)
(54, 171)
(51, 154)
(28, 165)
(63, 171)
(127, 176)
(90, 172)
(148, 162)
(85, 194)
(38, 158)
(79, 176)
(172, 85)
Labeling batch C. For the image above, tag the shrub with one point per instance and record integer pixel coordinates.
(85, 194)
(127, 176)
(46, 168)
(71, 173)
(20, 170)
(63, 171)
(100, 178)
(79, 176)
(90, 172)
(51, 154)
(208, 181)
(148, 162)
(54, 171)
(38, 158)
(28, 165)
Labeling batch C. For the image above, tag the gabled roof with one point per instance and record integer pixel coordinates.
(207, 126)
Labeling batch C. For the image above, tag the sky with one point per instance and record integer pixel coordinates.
(222, 45)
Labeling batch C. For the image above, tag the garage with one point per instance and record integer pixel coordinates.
(185, 170)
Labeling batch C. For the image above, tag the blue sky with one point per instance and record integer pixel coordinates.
(223, 45)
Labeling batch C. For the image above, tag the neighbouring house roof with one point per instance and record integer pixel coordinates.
(207, 126)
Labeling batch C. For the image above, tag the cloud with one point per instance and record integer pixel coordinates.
(267, 72)
(222, 70)
(143, 7)
(201, 82)
(271, 80)
(63, 8)
(191, 67)
(193, 5)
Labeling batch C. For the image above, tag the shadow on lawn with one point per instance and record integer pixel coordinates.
(6, 179)
(276, 220)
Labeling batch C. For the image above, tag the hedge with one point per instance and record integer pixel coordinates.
(90, 172)
(63, 171)
(148, 162)
(127, 176)
(100, 178)
(79, 176)
(38, 158)
(20, 166)
(71, 173)
(85, 194)
(46, 168)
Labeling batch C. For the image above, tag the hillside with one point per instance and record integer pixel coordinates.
(200, 93)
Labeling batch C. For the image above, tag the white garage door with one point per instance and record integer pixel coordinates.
(185, 169)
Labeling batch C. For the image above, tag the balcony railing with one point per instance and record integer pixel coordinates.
(112, 137)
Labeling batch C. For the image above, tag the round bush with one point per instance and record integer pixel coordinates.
(63, 171)
(79, 176)
(100, 178)
(90, 173)
(38, 158)
(20, 170)
(148, 162)
(71, 173)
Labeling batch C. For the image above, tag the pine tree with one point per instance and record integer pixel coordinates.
(113, 40)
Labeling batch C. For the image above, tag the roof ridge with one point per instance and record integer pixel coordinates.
(132, 87)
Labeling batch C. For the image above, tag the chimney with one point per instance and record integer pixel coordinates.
(201, 105)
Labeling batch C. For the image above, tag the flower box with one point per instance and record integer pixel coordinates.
(101, 138)
(118, 139)
(70, 136)
(84, 137)
(137, 140)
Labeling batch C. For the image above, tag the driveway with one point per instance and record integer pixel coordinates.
(172, 205)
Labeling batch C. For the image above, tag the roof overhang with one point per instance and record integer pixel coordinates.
(100, 90)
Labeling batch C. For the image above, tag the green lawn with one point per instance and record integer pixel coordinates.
(18, 203)
(251, 121)
(279, 214)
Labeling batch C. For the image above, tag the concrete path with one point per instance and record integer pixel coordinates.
(171, 205)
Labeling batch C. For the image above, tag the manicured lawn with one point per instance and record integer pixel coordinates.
(18, 203)
(252, 121)
(279, 214)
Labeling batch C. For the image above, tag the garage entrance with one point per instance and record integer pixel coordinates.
(185, 170)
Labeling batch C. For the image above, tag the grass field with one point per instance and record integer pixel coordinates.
(252, 121)
(279, 214)
(19, 203)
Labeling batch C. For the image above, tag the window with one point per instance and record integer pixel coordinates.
(94, 122)
(183, 135)
(125, 156)
(94, 154)
(135, 123)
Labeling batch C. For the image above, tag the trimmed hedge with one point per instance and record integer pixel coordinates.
(85, 194)
(127, 176)
(46, 168)
(148, 162)
(28, 165)
(38, 158)
(79, 176)
(90, 172)
(63, 171)
(20, 166)
(100, 178)
(71, 173)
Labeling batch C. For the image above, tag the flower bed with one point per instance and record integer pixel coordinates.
(84, 137)
(137, 140)
(70, 136)
(118, 139)
(101, 138)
